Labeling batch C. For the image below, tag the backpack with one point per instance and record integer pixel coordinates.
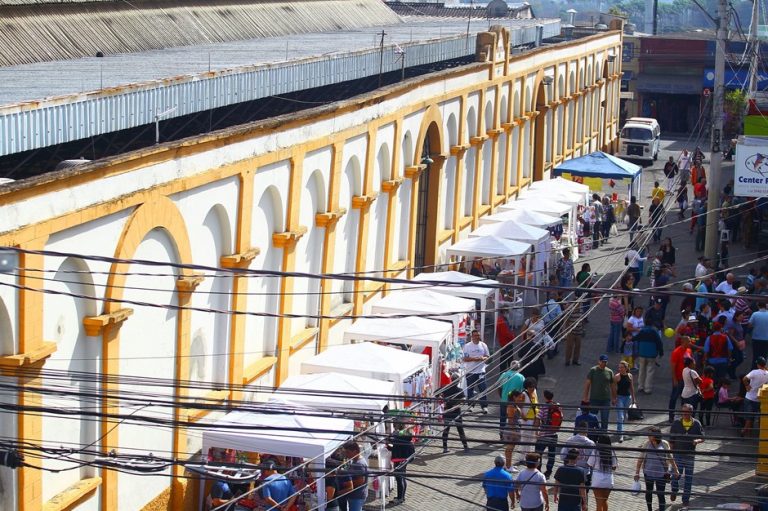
(554, 417)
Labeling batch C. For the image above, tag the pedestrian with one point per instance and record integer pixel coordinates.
(682, 200)
(718, 349)
(584, 280)
(656, 218)
(669, 252)
(609, 218)
(277, 490)
(736, 335)
(628, 350)
(529, 410)
(658, 467)
(704, 287)
(654, 316)
(617, 313)
(600, 390)
(649, 347)
(550, 312)
(753, 382)
(633, 259)
(657, 192)
(509, 380)
(691, 381)
(550, 420)
(499, 487)
(402, 448)
(758, 321)
(633, 215)
(699, 220)
(625, 396)
(584, 447)
(565, 270)
(707, 395)
(569, 490)
(684, 435)
(357, 470)
(677, 364)
(587, 419)
(670, 170)
(727, 286)
(475, 355)
(574, 326)
(452, 397)
(685, 160)
(511, 434)
(220, 496)
(531, 486)
(599, 216)
(603, 463)
(337, 485)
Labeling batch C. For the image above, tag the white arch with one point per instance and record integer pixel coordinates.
(488, 116)
(407, 150)
(383, 167)
(452, 131)
(471, 123)
(6, 331)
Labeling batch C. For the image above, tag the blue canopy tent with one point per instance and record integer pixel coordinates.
(603, 166)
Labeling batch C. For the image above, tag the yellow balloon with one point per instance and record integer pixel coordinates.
(669, 332)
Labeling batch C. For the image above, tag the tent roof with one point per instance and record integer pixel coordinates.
(488, 246)
(538, 204)
(354, 392)
(558, 194)
(368, 360)
(599, 164)
(524, 216)
(560, 182)
(511, 230)
(279, 434)
(422, 301)
(464, 291)
(409, 330)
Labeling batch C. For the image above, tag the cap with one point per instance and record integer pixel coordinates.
(760, 361)
(269, 465)
(499, 461)
(742, 290)
(688, 286)
(603, 358)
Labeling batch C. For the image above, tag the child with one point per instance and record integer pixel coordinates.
(707, 388)
(627, 349)
(724, 400)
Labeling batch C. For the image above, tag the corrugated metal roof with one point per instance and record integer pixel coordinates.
(522, 10)
(137, 87)
(38, 33)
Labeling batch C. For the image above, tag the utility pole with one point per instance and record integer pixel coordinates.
(712, 241)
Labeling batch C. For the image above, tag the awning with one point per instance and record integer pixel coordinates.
(668, 84)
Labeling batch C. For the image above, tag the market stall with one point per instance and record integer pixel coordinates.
(295, 438)
(603, 172)
(560, 183)
(517, 231)
(337, 391)
(428, 336)
(485, 293)
(568, 236)
(558, 195)
(458, 311)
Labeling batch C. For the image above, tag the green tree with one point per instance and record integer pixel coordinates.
(734, 108)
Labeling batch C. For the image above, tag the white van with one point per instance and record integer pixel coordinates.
(640, 139)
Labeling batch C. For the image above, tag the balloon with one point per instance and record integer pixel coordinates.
(669, 332)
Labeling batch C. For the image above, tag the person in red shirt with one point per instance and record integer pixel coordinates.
(707, 395)
(700, 189)
(676, 363)
(504, 336)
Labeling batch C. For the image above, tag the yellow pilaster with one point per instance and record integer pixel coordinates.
(329, 244)
(30, 425)
(287, 241)
(363, 203)
(390, 188)
(240, 283)
(477, 201)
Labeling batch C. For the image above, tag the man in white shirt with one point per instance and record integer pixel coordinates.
(475, 355)
(753, 381)
(726, 286)
(701, 268)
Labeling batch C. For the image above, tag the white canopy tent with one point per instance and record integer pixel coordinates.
(337, 391)
(558, 195)
(485, 298)
(411, 331)
(424, 301)
(551, 207)
(294, 435)
(560, 183)
(513, 230)
(523, 216)
(368, 360)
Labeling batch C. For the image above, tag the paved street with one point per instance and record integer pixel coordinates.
(716, 477)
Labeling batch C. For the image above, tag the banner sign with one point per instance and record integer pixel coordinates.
(750, 178)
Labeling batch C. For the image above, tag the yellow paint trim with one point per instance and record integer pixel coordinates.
(74, 495)
(302, 338)
(257, 369)
(45, 350)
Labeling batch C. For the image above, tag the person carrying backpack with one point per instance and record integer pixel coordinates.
(550, 420)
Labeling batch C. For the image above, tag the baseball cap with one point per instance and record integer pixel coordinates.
(603, 358)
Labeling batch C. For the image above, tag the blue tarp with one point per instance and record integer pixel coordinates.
(598, 164)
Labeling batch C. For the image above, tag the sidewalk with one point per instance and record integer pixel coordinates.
(721, 478)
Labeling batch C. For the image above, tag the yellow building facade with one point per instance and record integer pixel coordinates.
(379, 184)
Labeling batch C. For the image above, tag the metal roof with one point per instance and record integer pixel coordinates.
(136, 87)
(35, 32)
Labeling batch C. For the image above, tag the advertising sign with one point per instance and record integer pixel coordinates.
(750, 177)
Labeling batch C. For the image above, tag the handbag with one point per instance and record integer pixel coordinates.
(635, 488)
(634, 413)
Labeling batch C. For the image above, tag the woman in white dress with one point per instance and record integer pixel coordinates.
(603, 462)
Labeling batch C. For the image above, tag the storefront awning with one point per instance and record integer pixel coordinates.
(668, 84)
